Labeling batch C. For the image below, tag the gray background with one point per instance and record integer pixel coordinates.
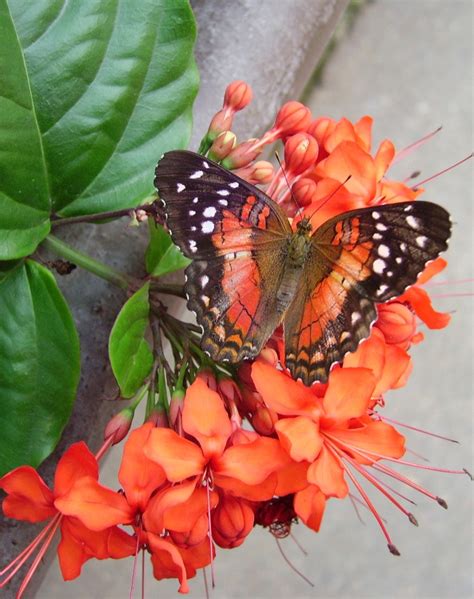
(408, 64)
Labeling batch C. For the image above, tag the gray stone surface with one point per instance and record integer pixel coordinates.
(409, 65)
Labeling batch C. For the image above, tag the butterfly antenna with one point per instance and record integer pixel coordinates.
(299, 208)
(331, 195)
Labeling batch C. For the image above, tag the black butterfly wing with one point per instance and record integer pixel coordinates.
(357, 259)
(235, 236)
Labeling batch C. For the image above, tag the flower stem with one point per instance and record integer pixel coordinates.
(97, 268)
(149, 208)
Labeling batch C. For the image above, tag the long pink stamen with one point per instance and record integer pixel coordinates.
(20, 559)
(414, 428)
(300, 574)
(298, 544)
(379, 485)
(213, 581)
(135, 559)
(445, 170)
(39, 557)
(413, 146)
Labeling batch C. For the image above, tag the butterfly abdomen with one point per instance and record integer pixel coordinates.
(297, 250)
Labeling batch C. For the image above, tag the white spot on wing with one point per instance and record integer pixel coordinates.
(398, 259)
(355, 316)
(193, 228)
(205, 164)
(408, 208)
(223, 202)
(382, 289)
(413, 222)
(195, 200)
(192, 245)
(234, 184)
(180, 187)
(223, 192)
(380, 227)
(209, 212)
(383, 250)
(379, 266)
(375, 214)
(421, 241)
(377, 236)
(204, 280)
(197, 175)
(192, 212)
(207, 226)
(403, 246)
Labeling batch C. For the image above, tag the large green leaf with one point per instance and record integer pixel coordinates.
(113, 82)
(91, 95)
(162, 255)
(129, 352)
(24, 193)
(39, 365)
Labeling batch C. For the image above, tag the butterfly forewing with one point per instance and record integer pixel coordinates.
(235, 236)
(367, 256)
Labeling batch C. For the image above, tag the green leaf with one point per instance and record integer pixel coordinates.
(39, 365)
(129, 352)
(24, 190)
(162, 256)
(113, 82)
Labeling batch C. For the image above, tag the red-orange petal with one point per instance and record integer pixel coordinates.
(348, 394)
(309, 504)
(363, 129)
(328, 474)
(369, 354)
(397, 363)
(282, 394)
(299, 437)
(251, 463)
(378, 439)
(184, 516)
(420, 301)
(167, 561)
(432, 269)
(260, 492)
(179, 458)
(28, 497)
(292, 478)
(76, 462)
(138, 475)
(205, 418)
(383, 158)
(165, 499)
(97, 507)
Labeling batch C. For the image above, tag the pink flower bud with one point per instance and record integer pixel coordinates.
(292, 118)
(260, 172)
(119, 425)
(238, 95)
(176, 408)
(304, 191)
(397, 322)
(301, 152)
(242, 155)
(232, 521)
(159, 417)
(220, 122)
(222, 145)
(209, 378)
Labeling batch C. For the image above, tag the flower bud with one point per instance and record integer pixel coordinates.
(260, 172)
(242, 155)
(222, 145)
(232, 520)
(119, 425)
(238, 95)
(220, 122)
(159, 417)
(263, 420)
(176, 408)
(397, 323)
(194, 536)
(304, 191)
(292, 118)
(207, 376)
(321, 128)
(301, 152)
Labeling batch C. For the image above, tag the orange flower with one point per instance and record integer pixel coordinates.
(29, 498)
(326, 431)
(242, 469)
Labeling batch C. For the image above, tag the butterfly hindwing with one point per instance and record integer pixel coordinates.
(364, 257)
(234, 234)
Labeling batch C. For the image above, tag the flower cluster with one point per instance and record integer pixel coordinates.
(252, 447)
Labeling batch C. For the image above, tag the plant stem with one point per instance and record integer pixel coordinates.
(97, 268)
(168, 288)
(57, 221)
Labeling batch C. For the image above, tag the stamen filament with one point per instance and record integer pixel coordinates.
(414, 428)
(300, 574)
(413, 146)
(445, 170)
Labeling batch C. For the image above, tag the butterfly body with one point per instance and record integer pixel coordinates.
(251, 271)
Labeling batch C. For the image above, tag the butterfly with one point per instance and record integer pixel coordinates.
(251, 271)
